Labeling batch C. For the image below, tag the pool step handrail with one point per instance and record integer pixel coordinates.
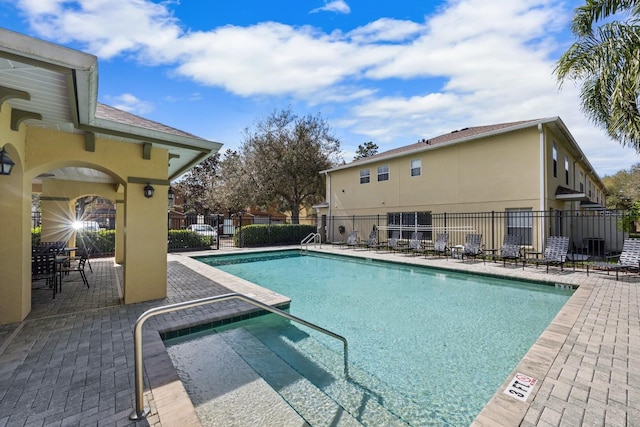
(311, 237)
(140, 411)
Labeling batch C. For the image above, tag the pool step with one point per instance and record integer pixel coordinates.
(362, 405)
(311, 403)
(297, 347)
(226, 390)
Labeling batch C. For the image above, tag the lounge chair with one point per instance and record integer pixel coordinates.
(440, 245)
(415, 244)
(510, 249)
(351, 240)
(372, 240)
(555, 252)
(473, 247)
(628, 260)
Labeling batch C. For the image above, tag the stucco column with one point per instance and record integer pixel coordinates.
(15, 245)
(145, 244)
(119, 254)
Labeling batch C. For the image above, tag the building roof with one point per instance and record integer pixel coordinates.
(467, 133)
(107, 112)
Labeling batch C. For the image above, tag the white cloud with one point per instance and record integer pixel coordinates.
(130, 103)
(338, 6)
(472, 62)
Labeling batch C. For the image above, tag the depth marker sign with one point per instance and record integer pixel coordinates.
(520, 387)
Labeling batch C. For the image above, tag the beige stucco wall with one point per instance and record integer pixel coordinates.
(141, 229)
(482, 175)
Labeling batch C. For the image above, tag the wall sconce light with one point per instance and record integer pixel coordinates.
(172, 196)
(6, 164)
(148, 191)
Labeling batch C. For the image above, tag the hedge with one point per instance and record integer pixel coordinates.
(274, 234)
(183, 240)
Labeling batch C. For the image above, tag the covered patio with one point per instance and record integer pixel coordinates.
(65, 145)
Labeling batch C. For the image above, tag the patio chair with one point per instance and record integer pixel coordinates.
(510, 249)
(43, 267)
(372, 240)
(414, 245)
(628, 260)
(351, 240)
(440, 245)
(555, 252)
(76, 267)
(473, 247)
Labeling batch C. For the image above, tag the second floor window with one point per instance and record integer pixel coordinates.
(555, 160)
(365, 176)
(416, 167)
(383, 173)
(566, 169)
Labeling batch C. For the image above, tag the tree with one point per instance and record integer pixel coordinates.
(367, 150)
(232, 189)
(606, 60)
(197, 187)
(283, 157)
(623, 188)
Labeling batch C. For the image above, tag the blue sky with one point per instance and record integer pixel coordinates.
(381, 71)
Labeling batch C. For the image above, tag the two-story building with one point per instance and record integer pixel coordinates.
(517, 169)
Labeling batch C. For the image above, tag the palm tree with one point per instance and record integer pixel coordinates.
(606, 59)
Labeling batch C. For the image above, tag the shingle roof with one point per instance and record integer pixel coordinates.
(461, 134)
(107, 112)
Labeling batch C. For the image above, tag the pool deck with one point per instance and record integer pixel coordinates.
(70, 362)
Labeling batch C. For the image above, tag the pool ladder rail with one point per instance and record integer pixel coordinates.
(140, 411)
(312, 237)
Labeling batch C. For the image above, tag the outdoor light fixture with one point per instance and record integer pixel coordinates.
(148, 191)
(6, 164)
(172, 195)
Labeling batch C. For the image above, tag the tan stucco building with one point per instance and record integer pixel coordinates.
(533, 165)
(66, 145)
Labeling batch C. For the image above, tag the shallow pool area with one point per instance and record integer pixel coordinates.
(433, 345)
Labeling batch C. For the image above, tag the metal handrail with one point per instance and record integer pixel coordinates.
(140, 410)
(311, 237)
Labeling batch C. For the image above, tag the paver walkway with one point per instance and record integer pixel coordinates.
(70, 362)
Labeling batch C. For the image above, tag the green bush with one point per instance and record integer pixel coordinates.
(101, 242)
(274, 234)
(183, 240)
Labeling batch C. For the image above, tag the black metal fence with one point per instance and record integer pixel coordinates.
(597, 233)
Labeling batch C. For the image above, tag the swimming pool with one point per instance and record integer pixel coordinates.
(444, 341)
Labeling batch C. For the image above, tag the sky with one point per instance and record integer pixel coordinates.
(390, 72)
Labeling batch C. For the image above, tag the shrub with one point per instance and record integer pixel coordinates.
(183, 240)
(274, 234)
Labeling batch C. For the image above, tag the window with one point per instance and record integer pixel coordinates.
(566, 169)
(383, 173)
(365, 176)
(520, 223)
(405, 223)
(581, 182)
(555, 159)
(416, 167)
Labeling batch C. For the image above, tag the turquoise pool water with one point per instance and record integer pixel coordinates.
(445, 341)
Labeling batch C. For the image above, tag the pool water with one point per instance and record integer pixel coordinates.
(445, 341)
